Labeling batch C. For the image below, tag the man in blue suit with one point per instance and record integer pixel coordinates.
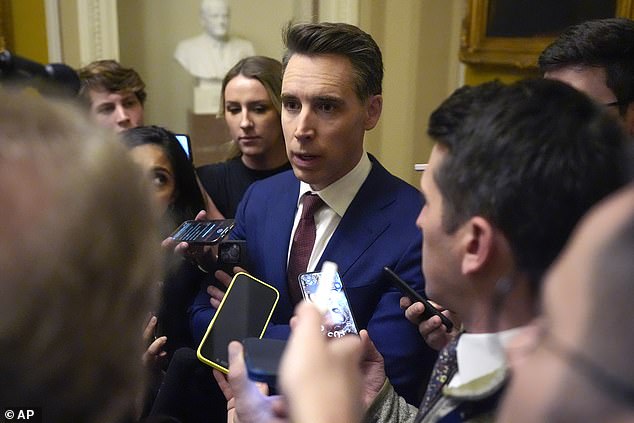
(331, 95)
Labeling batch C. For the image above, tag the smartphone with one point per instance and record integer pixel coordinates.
(203, 231)
(231, 253)
(338, 319)
(262, 357)
(244, 312)
(409, 292)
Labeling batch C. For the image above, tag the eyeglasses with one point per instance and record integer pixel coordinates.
(611, 384)
(540, 336)
(613, 103)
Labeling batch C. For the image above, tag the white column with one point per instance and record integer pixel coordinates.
(98, 30)
(53, 34)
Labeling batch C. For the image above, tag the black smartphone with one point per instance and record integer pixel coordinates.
(203, 231)
(231, 253)
(338, 319)
(262, 357)
(409, 292)
(244, 312)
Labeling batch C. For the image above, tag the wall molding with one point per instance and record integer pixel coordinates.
(53, 31)
(98, 30)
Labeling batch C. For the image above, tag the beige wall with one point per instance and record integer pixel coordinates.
(149, 31)
(419, 40)
(68, 18)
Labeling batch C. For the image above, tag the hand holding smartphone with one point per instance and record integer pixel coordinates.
(244, 312)
(262, 357)
(409, 292)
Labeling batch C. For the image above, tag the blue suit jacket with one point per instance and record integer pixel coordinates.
(377, 230)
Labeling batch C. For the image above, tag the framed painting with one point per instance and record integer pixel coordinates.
(514, 32)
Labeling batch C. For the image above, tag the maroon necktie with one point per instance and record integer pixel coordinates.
(302, 245)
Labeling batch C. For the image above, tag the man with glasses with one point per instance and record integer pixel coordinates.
(597, 58)
(576, 364)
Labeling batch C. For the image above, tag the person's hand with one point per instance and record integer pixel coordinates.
(247, 401)
(216, 294)
(203, 256)
(372, 368)
(154, 356)
(320, 378)
(432, 330)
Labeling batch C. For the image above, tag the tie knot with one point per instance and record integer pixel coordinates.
(311, 202)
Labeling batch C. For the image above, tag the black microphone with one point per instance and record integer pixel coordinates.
(55, 78)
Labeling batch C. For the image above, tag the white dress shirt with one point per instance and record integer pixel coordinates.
(479, 354)
(337, 197)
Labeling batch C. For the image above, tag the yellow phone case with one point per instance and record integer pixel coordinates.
(238, 278)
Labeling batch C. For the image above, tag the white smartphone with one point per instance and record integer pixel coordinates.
(338, 318)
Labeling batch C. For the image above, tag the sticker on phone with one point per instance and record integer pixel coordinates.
(338, 319)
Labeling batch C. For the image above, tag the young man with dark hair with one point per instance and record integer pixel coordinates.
(114, 93)
(597, 58)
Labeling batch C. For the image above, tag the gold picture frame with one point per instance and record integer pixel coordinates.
(477, 46)
(6, 42)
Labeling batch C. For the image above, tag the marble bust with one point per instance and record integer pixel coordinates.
(208, 56)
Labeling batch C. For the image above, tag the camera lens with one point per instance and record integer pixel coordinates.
(231, 254)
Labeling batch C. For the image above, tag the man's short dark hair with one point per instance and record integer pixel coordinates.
(111, 77)
(606, 43)
(532, 161)
(451, 114)
(313, 39)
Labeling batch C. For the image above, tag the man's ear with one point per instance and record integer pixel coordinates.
(477, 244)
(374, 108)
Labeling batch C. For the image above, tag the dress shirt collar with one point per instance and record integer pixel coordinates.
(480, 354)
(340, 193)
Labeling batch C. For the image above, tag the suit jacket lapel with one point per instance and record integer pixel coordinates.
(281, 215)
(364, 221)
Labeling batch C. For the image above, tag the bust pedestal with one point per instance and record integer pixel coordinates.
(207, 97)
(210, 138)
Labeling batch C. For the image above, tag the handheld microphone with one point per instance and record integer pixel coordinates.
(55, 78)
